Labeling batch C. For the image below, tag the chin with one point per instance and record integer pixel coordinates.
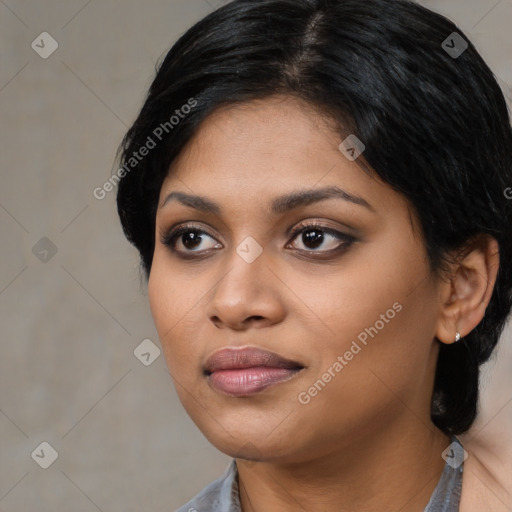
(247, 443)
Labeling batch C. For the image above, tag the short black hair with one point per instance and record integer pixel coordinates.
(428, 109)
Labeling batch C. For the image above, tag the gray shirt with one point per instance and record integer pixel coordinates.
(222, 494)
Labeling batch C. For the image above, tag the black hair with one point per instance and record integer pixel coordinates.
(428, 109)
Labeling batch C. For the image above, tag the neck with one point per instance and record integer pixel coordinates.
(396, 470)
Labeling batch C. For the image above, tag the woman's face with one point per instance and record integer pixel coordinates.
(334, 279)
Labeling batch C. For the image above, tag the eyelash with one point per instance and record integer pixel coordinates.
(169, 239)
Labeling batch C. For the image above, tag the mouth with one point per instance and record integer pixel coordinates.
(247, 371)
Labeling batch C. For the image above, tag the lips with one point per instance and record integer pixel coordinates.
(246, 371)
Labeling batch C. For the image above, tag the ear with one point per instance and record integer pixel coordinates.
(465, 295)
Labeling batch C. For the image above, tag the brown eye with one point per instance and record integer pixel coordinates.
(191, 239)
(320, 239)
(188, 239)
(312, 238)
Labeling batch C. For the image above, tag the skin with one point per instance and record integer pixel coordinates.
(365, 441)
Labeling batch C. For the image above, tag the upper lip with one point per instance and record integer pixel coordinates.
(231, 358)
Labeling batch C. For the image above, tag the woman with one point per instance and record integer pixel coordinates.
(317, 191)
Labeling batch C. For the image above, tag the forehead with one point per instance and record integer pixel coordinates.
(268, 147)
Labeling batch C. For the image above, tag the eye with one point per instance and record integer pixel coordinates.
(189, 239)
(312, 237)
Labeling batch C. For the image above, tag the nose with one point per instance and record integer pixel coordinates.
(247, 295)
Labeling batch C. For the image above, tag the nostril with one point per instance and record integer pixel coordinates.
(216, 321)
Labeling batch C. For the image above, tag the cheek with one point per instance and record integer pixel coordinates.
(172, 304)
(161, 298)
(356, 298)
(379, 313)
(387, 363)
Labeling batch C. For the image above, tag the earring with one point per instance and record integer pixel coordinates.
(457, 336)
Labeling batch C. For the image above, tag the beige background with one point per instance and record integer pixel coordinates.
(69, 325)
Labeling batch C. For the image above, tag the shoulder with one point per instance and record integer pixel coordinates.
(219, 496)
(486, 484)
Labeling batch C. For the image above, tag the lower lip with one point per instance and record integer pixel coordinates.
(249, 381)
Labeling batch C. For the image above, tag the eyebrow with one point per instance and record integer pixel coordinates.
(279, 205)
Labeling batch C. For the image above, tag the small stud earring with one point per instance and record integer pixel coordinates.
(457, 336)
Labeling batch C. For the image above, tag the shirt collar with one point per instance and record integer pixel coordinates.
(222, 495)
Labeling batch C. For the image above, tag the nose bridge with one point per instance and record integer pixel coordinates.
(243, 279)
(244, 290)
